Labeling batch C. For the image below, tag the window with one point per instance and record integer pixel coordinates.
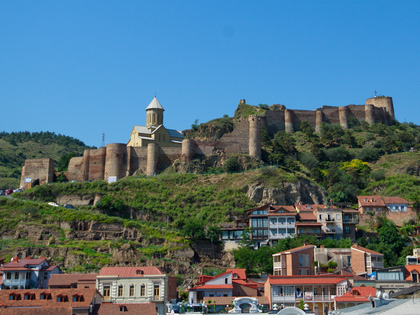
(62, 298)
(143, 290)
(45, 276)
(304, 271)
(45, 296)
(9, 275)
(301, 231)
(337, 217)
(290, 220)
(132, 290)
(347, 229)
(14, 296)
(78, 298)
(259, 222)
(226, 280)
(303, 260)
(29, 296)
(120, 290)
(349, 261)
(139, 272)
(16, 275)
(123, 308)
(156, 291)
(320, 217)
(28, 275)
(316, 231)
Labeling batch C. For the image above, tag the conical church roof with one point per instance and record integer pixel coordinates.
(154, 104)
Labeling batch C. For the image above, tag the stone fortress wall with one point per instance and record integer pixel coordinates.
(118, 160)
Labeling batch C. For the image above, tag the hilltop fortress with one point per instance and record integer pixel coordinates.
(152, 148)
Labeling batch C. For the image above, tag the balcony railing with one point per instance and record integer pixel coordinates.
(355, 220)
(328, 231)
(304, 297)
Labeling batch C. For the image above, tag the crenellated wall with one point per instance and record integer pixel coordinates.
(118, 160)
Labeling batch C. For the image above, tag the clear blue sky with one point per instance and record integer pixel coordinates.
(80, 68)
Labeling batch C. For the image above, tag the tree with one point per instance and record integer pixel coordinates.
(194, 229)
(232, 165)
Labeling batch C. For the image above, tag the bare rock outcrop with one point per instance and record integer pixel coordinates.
(290, 193)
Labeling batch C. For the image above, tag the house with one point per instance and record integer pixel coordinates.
(365, 260)
(223, 304)
(47, 301)
(318, 291)
(396, 204)
(356, 296)
(350, 219)
(232, 283)
(374, 204)
(72, 281)
(383, 306)
(331, 218)
(341, 256)
(27, 273)
(296, 261)
(136, 285)
(307, 224)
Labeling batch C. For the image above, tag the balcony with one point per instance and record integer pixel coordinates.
(329, 219)
(351, 220)
(305, 297)
(283, 225)
(26, 283)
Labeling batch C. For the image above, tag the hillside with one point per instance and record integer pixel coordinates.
(16, 147)
(170, 220)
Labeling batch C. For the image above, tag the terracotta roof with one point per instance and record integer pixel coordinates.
(350, 211)
(38, 311)
(240, 272)
(357, 294)
(357, 247)
(227, 300)
(286, 208)
(395, 200)
(26, 261)
(296, 249)
(369, 201)
(129, 272)
(132, 308)
(409, 269)
(304, 280)
(307, 216)
(88, 296)
(277, 214)
(71, 278)
(213, 286)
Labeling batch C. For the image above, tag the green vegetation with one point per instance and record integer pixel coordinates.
(16, 147)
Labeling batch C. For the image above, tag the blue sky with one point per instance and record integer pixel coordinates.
(81, 68)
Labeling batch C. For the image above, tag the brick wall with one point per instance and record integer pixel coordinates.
(358, 261)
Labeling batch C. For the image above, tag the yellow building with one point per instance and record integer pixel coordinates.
(154, 131)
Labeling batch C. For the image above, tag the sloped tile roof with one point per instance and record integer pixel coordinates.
(357, 294)
(296, 249)
(213, 287)
(71, 278)
(395, 200)
(409, 269)
(88, 296)
(307, 216)
(129, 272)
(371, 201)
(241, 272)
(357, 247)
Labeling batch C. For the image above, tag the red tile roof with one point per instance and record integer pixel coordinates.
(357, 294)
(88, 296)
(296, 249)
(71, 278)
(307, 216)
(129, 272)
(395, 200)
(132, 308)
(213, 287)
(409, 269)
(240, 272)
(369, 251)
(304, 280)
(371, 201)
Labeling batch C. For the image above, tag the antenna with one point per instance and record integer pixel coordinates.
(375, 92)
(103, 139)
